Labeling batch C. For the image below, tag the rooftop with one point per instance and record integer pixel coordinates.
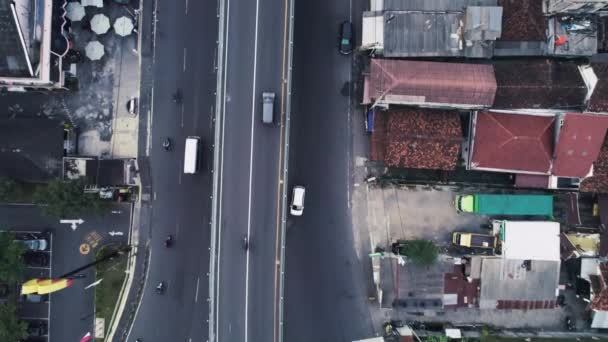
(423, 139)
(599, 99)
(598, 183)
(520, 240)
(430, 83)
(506, 284)
(514, 142)
(579, 142)
(14, 61)
(434, 5)
(540, 83)
(522, 20)
(31, 149)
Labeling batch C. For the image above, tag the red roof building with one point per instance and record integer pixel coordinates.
(579, 143)
(534, 148)
(512, 143)
(429, 84)
(417, 138)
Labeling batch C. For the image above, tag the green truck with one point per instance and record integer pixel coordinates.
(516, 205)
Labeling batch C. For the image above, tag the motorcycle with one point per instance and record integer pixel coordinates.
(177, 96)
(169, 241)
(167, 143)
(245, 242)
(160, 288)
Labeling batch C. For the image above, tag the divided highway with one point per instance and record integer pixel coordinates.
(255, 58)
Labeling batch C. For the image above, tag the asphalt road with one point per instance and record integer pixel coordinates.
(71, 310)
(325, 293)
(184, 59)
(247, 281)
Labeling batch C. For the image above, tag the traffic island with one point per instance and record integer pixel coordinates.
(111, 275)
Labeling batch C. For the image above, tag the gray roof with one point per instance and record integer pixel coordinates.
(507, 280)
(435, 5)
(30, 149)
(13, 61)
(408, 34)
(483, 23)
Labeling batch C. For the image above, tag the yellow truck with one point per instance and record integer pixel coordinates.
(472, 240)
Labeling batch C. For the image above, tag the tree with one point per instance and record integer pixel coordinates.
(9, 189)
(421, 252)
(66, 199)
(11, 328)
(11, 264)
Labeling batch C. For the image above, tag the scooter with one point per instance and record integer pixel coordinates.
(167, 143)
(169, 241)
(245, 242)
(160, 288)
(177, 96)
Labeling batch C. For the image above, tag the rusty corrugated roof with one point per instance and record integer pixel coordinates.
(416, 82)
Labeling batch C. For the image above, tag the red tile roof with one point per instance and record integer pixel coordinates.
(378, 137)
(538, 83)
(600, 301)
(431, 82)
(599, 99)
(598, 183)
(513, 142)
(578, 146)
(522, 20)
(423, 139)
(467, 293)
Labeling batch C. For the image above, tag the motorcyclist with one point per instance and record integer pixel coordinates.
(160, 288)
(167, 144)
(168, 241)
(177, 96)
(245, 242)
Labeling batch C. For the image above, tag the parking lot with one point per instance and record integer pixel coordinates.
(70, 313)
(385, 213)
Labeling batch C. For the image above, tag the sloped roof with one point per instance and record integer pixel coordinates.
(578, 146)
(599, 99)
(423, 139)
(415, 82)
(31, 149)
(522, 20)
(13, 62)
(434, 5)
(513, 142)
(540, 83)
(598, 183)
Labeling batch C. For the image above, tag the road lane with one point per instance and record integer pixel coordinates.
(184, 59)
(247, 280)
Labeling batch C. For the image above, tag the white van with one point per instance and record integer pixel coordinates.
(297, 201)
(191, 155)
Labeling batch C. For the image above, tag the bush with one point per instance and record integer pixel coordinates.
(421, 252)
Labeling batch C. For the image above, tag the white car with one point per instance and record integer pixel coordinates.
(35, 245)
(297, 201)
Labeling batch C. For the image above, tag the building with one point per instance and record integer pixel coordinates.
(417, 138)
(31, 150)
(551, 7)
(429, 84)
(111, 178)
(544, 151)
(33, 44)
(432, 28)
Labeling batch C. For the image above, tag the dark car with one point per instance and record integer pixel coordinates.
(346, 38)
(36, 259)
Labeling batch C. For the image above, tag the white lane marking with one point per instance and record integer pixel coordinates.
(155, 195)
(253, 101)
(185, 54)
(186, 10)
(220, 195)
(198, 279)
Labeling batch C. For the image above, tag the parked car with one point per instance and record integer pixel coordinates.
(36, 259)
(346, 38)
(35, 245)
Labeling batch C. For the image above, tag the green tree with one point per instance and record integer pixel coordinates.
(11, 264)
(9, 189)
(11, 328)
(67, 199)
(421, 252)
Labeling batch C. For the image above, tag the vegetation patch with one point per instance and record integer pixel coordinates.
(112, 275)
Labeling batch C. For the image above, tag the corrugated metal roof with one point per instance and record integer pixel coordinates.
(408, 34)
(435, 5)
(414, 82)
(483, 23)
